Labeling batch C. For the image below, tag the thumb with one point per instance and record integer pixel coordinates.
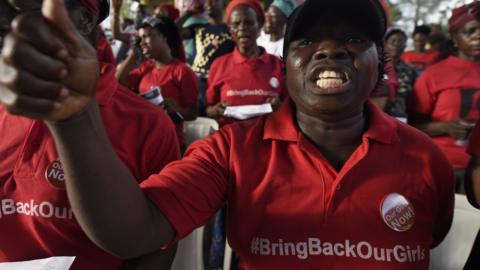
(56, 13)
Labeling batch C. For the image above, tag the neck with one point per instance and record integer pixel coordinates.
(276, 36)
(336, 139)
(465, 57)
(250, 52)
(163, 62)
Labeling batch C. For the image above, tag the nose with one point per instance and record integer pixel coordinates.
(331, 50)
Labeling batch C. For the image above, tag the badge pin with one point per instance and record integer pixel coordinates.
(54, 174)
(274, 82)
(397, 212)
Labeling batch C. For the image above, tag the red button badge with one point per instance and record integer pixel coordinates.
(397, 212)
(55, 175)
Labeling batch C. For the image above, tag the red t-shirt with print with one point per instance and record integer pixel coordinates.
(36, 219)
(238, 80)
(446, 91)
(175, 80)
(288, 208)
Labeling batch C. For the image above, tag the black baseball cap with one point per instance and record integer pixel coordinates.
(368, 14)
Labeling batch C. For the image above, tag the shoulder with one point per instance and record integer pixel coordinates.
(224, 60)
(232, 138)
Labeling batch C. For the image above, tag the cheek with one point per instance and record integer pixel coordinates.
(367, 66)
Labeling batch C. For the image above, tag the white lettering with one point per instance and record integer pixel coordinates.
(314, 246)
(46, 209)
(361, 248)
(8, 207)
(399, 253)
(302, 251)
(349, 250)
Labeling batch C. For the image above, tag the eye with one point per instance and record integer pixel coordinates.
(355, 40)
(304, 42)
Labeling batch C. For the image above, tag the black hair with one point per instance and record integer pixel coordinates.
(422, 29)
(169, 30)
(394, 32)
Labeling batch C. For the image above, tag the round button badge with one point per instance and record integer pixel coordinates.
(397, 212)
(55, 175)
(274, 82)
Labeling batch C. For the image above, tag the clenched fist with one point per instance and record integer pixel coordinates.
(48, 70)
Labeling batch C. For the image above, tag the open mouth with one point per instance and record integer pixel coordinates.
(331, 79)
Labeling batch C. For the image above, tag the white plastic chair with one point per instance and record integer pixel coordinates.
(199, 128)
(453, 252)
(190, 249)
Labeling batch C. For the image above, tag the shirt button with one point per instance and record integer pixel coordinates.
(339, 187)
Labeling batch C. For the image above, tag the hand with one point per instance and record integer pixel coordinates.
(275, 101)
(117, 6)
(217, 110)
(458, 129)
(47, 69)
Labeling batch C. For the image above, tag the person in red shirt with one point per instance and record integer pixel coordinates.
(326, 182)
(37, 220)
(248, 75)
(420, 57)
(445, 101)
(176, 82)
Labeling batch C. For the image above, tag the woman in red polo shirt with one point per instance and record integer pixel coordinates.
(248, 75)
(445, 102)
(160, 41)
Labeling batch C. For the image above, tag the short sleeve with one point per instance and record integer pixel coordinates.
(135, 76)
(188, 192)
(213, 92)
(188, 86)
(474, 142)
(423, 100)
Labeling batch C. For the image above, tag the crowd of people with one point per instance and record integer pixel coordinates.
(337, 147)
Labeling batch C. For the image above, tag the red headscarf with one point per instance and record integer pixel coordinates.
(173, 12)
(464, 14)
(92, 5)
(251, 3)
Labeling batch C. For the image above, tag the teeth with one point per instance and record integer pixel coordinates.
(331, 74)
(329, 83)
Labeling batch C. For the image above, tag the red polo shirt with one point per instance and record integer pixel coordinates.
(420, 60)
(238, 80)
(447, 91)
(36, 220)
(176, 80)
(288, 208)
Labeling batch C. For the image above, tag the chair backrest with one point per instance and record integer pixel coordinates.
(452, 253)
(199, 128)
(190, 249)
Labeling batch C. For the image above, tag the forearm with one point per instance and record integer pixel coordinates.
(188, 113)
(124, 68)
(104, 196)
(431, 128)
(472, 182)
(116, 31)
